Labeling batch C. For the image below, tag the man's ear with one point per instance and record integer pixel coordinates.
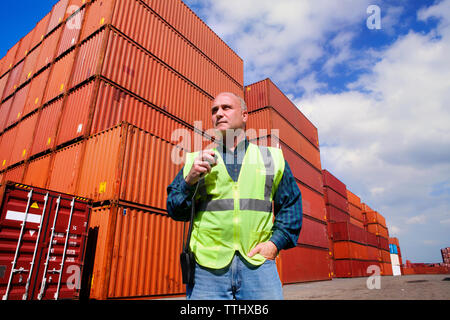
(245, 116)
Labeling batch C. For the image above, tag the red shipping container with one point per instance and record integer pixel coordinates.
(313, 233)
(350, 268)
(268, 121)
(334, 183)
(42, 236)
(303, 264)
(383, 243)
(302, 170)
(373, 253)
(355, 212)
(336, 215)
(371, 239)
(335, 199)
(347, 231)
(265, 93)
(312, 203)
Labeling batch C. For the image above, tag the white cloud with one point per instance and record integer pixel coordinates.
(282, 39)
(421, 219)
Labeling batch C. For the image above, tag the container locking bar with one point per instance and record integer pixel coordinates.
(16, 255)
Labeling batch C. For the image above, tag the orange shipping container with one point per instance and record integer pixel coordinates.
(13, 174)
(48, 50)
(57, 14)
(377, 229)
(17, 106)
(349, 250)
(13, 80)
(59, 77)
(22, 144)
(138, 167)
(30, 62)
(137, 253)
(40, 30)
(354, 199)
(7, 140)
(356, 222)
(375, 217)
(65, 166)
(36, 93)
(5, 107)
(153, 34)
(45, 135)
(159, 85)
(177, 14)
(8, 59)
(37, 171)
(71, 32)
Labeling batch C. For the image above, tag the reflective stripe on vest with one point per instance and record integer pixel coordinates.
(235, 215)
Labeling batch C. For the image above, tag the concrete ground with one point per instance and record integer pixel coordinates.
(410, 287)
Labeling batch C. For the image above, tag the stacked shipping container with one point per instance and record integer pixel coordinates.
(91, 108)
(275, 120)
(446, 257)
(396, 257)
(375, 224)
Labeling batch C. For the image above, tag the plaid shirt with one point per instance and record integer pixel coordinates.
(287, 199)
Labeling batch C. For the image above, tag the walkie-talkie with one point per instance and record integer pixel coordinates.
(187, 258)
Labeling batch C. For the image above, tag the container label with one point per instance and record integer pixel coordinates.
(102, 188)
(19, 216)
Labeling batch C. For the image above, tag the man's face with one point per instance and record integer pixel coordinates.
(226, 113)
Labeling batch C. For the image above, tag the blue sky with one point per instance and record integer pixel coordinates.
(18, 18)
(379, 97)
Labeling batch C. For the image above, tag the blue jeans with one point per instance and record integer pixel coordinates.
(239, 280)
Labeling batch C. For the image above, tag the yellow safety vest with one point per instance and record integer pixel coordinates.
(235, 216)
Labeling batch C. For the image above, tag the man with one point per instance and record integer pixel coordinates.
(234, 239)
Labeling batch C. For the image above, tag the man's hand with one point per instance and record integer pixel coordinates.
(267, 249)
(202, 165)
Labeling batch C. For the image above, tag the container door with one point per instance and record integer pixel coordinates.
(22, 215)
